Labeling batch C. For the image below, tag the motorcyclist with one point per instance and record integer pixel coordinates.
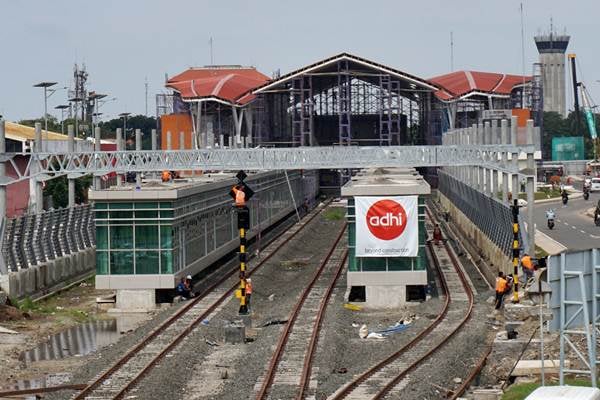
(597, 211)
(565, 196)
(550, 214)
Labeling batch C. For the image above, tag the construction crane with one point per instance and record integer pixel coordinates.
(594, 166)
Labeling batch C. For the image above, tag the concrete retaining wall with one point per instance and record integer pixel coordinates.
(48, 277)
(491, 253)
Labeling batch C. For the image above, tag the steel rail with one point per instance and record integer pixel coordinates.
(386, 389)
(314, 339)
(346, 390)
(48, 389)
(476, 370)
(131, 353)
(283, 338)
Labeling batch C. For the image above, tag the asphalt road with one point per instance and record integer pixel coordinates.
(573, 228)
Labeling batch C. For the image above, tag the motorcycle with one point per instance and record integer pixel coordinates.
(565, 199)
(597, 220)
(586, 194)
(550, 219)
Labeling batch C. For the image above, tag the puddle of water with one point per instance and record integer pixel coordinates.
(83, 339)
(49, 380)
(78, 340)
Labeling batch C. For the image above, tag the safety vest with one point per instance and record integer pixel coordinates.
(500, 285)
(526, 262)
(248, 287)
(166, 176)
(240, 197)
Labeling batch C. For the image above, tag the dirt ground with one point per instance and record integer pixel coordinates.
(34, 322)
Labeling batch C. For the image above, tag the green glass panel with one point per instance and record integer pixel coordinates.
(100, 206)
(146, 206)
(146, 214)
(121, 214)
(121, 237)
(400, 263)
(121, 262)
(166, 213)
(145, 222)
(146, 262)
(101, 214)
(373, 264)
(146, 237)
(166, 237)
(166, 262)
(166, 205)
(101, 262)
(121, 206)
(101, 237)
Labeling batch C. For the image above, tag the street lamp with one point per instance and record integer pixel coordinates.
(45, 85)
(94, 97)
(62, 108)
(76, 100)
(124, 115)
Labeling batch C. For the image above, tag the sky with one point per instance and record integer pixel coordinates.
(123, 43)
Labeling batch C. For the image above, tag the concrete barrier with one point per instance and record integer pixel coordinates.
(49, 277)
(491, 253)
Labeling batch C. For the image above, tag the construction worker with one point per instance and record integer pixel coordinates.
(437, 235)
(184, 289)
(166, 176)
(248, 291)
(501, 289)
(527, 265)
(240, 196)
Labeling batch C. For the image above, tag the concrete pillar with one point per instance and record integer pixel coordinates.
(513, 130)
(480, 135)
(221, 141)
(530, 189)
(119, 148)
(71, 149)
(489, 183)
(154, 140)
(169, 142)
(2, 170)
(487, 133)
(39, 192)
(210, 134)
(495, 184)
(97, 148)
(505, 176)
(495, 132)
(138, 147)
(181, 140)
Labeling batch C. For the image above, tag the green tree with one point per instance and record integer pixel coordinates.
(58, 189)
(556, 126)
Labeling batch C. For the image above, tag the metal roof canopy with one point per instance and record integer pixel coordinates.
(44, 166)
(359, 67)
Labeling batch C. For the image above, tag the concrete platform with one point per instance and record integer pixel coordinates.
(534, 367)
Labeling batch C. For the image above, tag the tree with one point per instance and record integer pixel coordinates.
(556, 126)
(146, 124)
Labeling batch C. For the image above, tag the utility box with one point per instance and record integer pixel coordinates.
(235, 332)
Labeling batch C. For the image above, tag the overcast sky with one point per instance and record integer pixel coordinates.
(123, 42)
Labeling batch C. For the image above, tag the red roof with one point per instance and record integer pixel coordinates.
(230, 84)
(460, 83)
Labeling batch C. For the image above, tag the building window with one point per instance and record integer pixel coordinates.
(146, 262)
(121, 237)
(146, 237)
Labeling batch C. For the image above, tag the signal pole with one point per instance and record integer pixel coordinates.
(515, 213)
(242, 193)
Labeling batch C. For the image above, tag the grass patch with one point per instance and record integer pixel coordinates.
(49, 307)
(521, 391)
(335, 214)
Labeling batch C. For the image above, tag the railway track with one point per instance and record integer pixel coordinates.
(388, 377)
(123, 375)
(289, 369)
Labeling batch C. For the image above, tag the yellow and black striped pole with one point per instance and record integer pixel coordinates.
(515, 250)
(243, 258)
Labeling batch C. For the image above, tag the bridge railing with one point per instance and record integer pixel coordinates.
(32, 239)
(490, 215)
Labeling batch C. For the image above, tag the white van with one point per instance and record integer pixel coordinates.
(564, 393)
(595, 186)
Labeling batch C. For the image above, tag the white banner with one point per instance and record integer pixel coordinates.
(387, 226)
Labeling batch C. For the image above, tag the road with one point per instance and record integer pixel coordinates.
(573, 228)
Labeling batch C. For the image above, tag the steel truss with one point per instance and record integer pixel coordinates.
(44, 166)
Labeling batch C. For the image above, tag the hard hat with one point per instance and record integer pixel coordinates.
(188, 277)
(248, 280)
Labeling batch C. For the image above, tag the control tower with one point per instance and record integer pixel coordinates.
(552, 48)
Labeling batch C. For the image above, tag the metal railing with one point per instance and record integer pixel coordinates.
(490, 215)
(32, 239)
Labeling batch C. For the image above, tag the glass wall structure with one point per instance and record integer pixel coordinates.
(363, 264)
(180, 236)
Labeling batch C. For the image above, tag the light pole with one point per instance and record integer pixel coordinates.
(76, 100)
(45, 85)
(124, 116)
(62, 108)
(94, 97)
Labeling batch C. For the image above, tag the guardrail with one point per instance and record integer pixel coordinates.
(32, 239)
(490, 215)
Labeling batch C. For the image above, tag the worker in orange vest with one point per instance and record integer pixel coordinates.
(527, 265)
(166, 176)
(501, 289)
(248, 291)
(240, 196)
